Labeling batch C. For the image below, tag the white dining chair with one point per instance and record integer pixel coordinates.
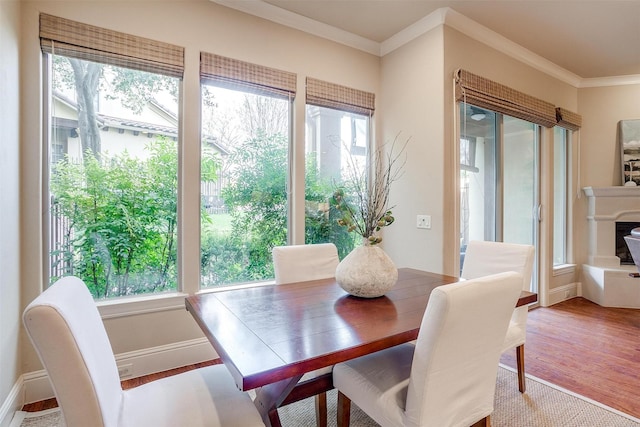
(68, 334)
(448, 378)
(300, 263)
(483, 258)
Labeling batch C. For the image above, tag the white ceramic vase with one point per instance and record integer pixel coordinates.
(367, 272)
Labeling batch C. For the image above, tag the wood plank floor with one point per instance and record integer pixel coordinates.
(591, 350)
(578, 345)
(126, 384)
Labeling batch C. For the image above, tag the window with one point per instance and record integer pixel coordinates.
(113, 159)
(244, 169)
(500, 193)
(569, 124)
(337, 146)
(560, 194)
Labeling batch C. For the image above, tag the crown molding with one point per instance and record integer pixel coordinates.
(441, 16)
(632, 79)
(413, 31)
(281, 16)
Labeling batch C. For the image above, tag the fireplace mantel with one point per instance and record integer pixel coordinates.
(606, 282)
(619, 191)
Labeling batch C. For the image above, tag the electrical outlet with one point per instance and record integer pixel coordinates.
(570, 293)
(424, 221)
(125, 371)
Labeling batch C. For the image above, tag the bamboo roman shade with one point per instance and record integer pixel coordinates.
(330, 95)
(568, 119)
(488, 94)
(82, 41)
(234, 74)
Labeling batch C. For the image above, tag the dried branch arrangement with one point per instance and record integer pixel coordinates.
(363, 199)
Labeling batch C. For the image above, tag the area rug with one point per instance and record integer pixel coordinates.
(543, 405)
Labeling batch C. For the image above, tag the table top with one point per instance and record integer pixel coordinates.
(266, 334)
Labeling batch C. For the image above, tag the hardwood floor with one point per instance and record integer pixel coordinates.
(134, 382)
(591, 350)
(578, 345)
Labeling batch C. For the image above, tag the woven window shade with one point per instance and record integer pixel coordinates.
(344, 98)
(568, 119)
(82, 41)
(234, 74)
(493, 96)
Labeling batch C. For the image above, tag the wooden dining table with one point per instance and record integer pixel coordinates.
(270, 336)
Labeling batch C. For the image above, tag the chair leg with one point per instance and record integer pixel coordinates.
(321, 409)
(485, 422)
(344, 410)
(520, 366)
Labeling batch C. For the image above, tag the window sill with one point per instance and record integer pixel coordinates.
(132, 306)
(563, 269)
(239, 286)
(143, 304)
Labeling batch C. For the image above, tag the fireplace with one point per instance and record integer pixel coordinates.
(623, 228)
(608, 206)
(612, 213)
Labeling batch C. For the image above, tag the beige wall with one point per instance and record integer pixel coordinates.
(412, 99)
(202, 26)
(601, 109)
(10, 323)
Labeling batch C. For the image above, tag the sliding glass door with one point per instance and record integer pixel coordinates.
(499, 178)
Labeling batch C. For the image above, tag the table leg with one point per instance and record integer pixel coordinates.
(269, 397)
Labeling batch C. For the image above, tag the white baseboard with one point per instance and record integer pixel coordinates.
(12, 403)
(35, 386)
(565, 292)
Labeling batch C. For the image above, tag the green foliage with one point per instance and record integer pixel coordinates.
(123, 219)
(136, 89)
(257, 203)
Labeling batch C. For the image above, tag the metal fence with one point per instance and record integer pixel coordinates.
(60, 236)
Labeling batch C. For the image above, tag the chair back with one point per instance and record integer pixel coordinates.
(299, 263)
(455, 364)
(68, 334)
(485, 258)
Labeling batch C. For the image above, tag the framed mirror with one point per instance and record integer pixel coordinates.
(629, 135)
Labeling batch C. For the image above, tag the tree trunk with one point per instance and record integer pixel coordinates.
(87, 77)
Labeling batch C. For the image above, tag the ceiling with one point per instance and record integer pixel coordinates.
(589, 38)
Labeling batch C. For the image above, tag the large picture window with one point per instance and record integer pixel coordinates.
(244, 169)
(113, 163)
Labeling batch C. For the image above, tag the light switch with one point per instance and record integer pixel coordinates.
(424, 221)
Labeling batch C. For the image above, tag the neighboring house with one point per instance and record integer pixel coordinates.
(122, 129)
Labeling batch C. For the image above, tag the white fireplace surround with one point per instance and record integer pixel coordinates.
(605, 281)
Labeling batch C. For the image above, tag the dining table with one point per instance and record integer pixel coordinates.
(269, 336)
